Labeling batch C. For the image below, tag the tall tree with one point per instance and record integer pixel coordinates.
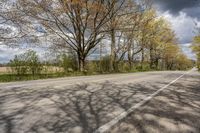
(123, 31)
(196, 49)
(77, 24)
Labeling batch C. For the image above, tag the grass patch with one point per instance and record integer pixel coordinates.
(8, 77)
(26, 77)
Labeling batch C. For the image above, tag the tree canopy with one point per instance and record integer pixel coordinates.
(133, 30)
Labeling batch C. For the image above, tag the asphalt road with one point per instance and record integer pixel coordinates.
(86, 104)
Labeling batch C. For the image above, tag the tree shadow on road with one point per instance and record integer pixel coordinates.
(80, 108)
(84, 108)
(175, 110)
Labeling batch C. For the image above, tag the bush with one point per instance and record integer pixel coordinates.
(92, 67)
(18, 66)
(68, 62)
(142, 67)
(105, 64)
(32, 60)
(26, 63)
(122, 67)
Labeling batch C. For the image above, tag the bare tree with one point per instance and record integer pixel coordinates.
(77, 24)
(118, 26)
(12, 27)
(124, 28)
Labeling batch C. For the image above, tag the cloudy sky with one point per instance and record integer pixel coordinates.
(181, 13)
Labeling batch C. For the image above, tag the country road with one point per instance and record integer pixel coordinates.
(87, 104)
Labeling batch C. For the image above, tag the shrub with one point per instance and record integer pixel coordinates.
(105, 64)
(92, 67)
(68, 62)
(25, 63)
(18, 66)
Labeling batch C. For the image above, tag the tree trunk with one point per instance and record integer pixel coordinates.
(130, 55)
(162, 64)
(100, 57)
(81, 63)
(112, 56)
(142, 59)
(151, 58)
(157, 63)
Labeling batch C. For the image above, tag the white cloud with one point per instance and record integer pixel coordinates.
(188, 51)
(8, 53)
(183, 25)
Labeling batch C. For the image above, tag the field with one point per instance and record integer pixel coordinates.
(46, 69)
(6, 74)
(5, 70)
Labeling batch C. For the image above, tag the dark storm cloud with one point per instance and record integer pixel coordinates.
(182, 14)
(193, 12)
(190, 7)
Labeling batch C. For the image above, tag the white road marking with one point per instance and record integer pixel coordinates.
(114, 121)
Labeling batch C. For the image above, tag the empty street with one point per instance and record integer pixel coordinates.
(89, 104)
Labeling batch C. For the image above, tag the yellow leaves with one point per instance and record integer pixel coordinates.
(149, 14)
(73, 2)
(183, 61)
(86, 4)
(197, 39)
(172, 48)
(196, 44)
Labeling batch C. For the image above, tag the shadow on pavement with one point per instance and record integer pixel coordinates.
(84, 108)
(80, 108)
(175, 110)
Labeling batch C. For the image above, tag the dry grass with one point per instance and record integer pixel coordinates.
(46, 69)
(4, 70)
(52, 69)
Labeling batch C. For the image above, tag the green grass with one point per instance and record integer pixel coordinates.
(25, 77)
(13, 77)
